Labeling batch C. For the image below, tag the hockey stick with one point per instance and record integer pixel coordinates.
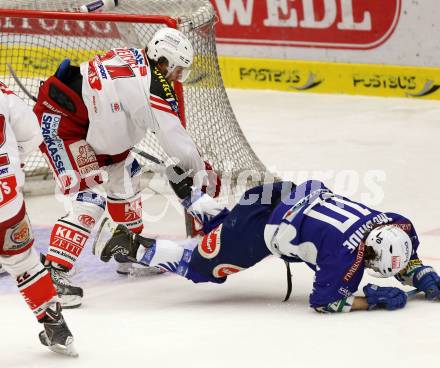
(148, 156)
(18, 81)
(289, 282)
(412, 293)
(188, 218)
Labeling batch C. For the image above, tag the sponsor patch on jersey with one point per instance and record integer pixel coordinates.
(211, 243)
(8, 189)
(95, 107)
(18, 236)
(54, 144)
(139, 57)
(92, 198)
(133, 210)
(84, 157)
(93, 78)
(68, 239)
(357, 262)
(223, 270)
(87, 221)
(101, 70)
(134, 168)
(405, 226)
(4, 171)
(116, 107)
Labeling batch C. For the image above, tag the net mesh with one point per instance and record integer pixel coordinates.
(35, 47)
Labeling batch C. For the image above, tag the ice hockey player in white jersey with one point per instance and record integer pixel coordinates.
(91, 117)
(337, 238)
(20, 135)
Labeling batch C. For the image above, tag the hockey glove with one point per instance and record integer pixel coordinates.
(428, 281)
(180, 181)
(390, 298)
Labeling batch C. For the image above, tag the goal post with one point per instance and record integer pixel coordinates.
(35, 36)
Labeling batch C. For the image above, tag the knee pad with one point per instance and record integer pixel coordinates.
(124, 200)
(71, 232)
(16, 234)
(127, 212)
(33, 280)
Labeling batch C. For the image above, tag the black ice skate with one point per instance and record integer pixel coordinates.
(70, 296)
(56, 335)
(117, 241)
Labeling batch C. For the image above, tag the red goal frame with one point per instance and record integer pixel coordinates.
(103, 17)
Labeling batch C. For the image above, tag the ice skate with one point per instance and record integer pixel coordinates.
(117, 241)
(56, 335)
(70, 295)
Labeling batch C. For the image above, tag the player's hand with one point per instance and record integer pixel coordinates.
(428, 281)
(390, 298)
(180, 181)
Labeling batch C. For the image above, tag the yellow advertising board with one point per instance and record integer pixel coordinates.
(323, 77)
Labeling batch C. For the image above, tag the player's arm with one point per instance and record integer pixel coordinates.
(25, 126)
(174, 139)
(331, 294)
(416, 274)
(422, 277)
(205, 210)
(376, 297)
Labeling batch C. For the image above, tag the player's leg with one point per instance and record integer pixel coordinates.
(67, 240)
(123, 193)
(34, 282)
(125, 206)
(234, 245)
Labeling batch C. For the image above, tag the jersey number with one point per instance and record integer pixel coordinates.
(4, 159)
(116, 71)
(339, 210)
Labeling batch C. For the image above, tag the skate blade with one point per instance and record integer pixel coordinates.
(68, 349)
(136, 272)
(70, 301)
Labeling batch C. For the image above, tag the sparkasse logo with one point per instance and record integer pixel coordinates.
(344, 24)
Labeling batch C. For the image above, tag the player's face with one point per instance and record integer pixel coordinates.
(176, 74)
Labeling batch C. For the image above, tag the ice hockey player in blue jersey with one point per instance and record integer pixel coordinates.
(338, 238)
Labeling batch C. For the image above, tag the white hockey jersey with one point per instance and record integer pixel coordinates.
(117, 93)
(19, 135)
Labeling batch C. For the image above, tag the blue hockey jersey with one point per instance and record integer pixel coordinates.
(326, 231)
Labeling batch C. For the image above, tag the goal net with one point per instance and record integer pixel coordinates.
(35, 36)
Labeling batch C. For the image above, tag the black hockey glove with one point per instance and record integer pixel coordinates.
(180, 181)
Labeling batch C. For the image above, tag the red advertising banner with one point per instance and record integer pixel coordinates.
(345, 24)
(58, 27)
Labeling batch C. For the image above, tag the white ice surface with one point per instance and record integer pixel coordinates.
(169, 322)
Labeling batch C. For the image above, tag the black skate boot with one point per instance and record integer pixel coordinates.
(117, 241)
(70, 296)
(56, 335)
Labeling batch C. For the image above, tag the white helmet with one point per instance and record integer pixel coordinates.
(393, 249)
(175, 47)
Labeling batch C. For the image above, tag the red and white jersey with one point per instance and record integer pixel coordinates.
(19, 135)
(125, 97)
(116, 91)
